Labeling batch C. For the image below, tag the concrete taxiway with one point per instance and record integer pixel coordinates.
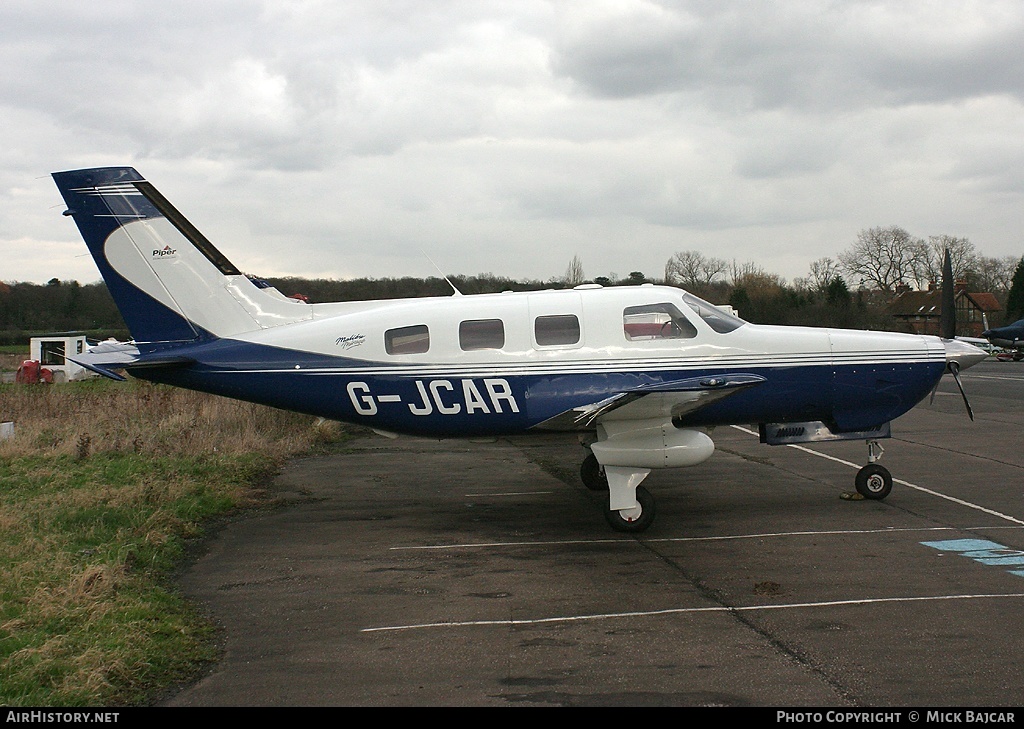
(417, 572)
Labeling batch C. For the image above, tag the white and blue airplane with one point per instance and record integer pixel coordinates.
(642, 373)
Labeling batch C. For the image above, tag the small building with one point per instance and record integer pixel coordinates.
(52, 351)
(921, 311)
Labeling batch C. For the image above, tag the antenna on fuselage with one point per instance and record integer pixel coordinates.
(455, 290)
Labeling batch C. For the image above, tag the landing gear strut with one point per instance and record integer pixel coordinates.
(621, 454)
(622, 486)
(874, 481)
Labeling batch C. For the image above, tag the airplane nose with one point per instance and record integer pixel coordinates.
(964, 354)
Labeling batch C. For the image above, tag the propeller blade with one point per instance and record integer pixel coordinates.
(954, 369)
(947, 319)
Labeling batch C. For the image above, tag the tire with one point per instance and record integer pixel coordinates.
(592, 474)
(874, 482)
(639, 523)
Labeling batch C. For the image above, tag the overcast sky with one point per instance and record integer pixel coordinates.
(339, 139)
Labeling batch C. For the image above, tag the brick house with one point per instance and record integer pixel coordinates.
(921, 311)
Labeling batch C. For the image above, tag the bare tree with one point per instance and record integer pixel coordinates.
(692, 269)
(962, 257)
(884, 258)
(756, 281)
(574, 273)
(823, 272)
(746, 271)
(994, 275)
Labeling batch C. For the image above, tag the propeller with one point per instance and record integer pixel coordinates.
(955, 350)
(954, 369)
(947, 322)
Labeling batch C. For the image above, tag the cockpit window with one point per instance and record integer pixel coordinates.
(718, 319)
(656, 321)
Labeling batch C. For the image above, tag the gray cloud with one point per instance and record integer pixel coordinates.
(805, 56)
(340, 139)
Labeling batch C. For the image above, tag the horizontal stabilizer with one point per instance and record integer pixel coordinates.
(107, 357)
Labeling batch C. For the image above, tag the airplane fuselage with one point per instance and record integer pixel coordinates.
(504, 363)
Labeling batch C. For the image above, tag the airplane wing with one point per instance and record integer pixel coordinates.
(662, 399)
(106, 357)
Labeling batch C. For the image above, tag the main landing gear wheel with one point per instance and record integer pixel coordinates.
(592, 474)
(634, 520)
(874, 481)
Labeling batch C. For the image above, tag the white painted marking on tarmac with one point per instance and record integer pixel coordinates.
(993, 377)
(680, 611)
(481, 545)
(506, 493)
(932, 492)
(719, 538)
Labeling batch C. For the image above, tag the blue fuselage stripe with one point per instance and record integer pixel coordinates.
(492, 400)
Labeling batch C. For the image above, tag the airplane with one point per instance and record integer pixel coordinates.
(643, 374)
(1009, 337)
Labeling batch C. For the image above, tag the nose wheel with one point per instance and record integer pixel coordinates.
(874, 481)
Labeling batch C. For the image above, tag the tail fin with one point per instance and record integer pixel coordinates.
(169, 282)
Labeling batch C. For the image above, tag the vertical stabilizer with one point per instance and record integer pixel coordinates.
(169, 282)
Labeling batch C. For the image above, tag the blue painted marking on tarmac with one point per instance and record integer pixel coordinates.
(983, 552)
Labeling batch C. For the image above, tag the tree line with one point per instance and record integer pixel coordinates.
(57, 306)
(854, 289)
(850, 291)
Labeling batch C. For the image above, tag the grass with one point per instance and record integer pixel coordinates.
(101, 490)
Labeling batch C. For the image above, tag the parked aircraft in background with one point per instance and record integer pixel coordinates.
(640, 372)
(1009, 337)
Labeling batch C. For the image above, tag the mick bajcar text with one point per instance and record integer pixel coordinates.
(895, 717)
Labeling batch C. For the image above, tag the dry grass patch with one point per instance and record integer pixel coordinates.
(100, 489)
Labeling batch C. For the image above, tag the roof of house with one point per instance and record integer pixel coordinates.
(917, 303)
(929, 303)
(984, 302)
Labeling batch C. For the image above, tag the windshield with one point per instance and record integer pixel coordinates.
(718, 319)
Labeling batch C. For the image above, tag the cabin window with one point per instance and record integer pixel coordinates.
(656, 321)
(481, 334)
(560, 329)
(718, 319)
(407, 340)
